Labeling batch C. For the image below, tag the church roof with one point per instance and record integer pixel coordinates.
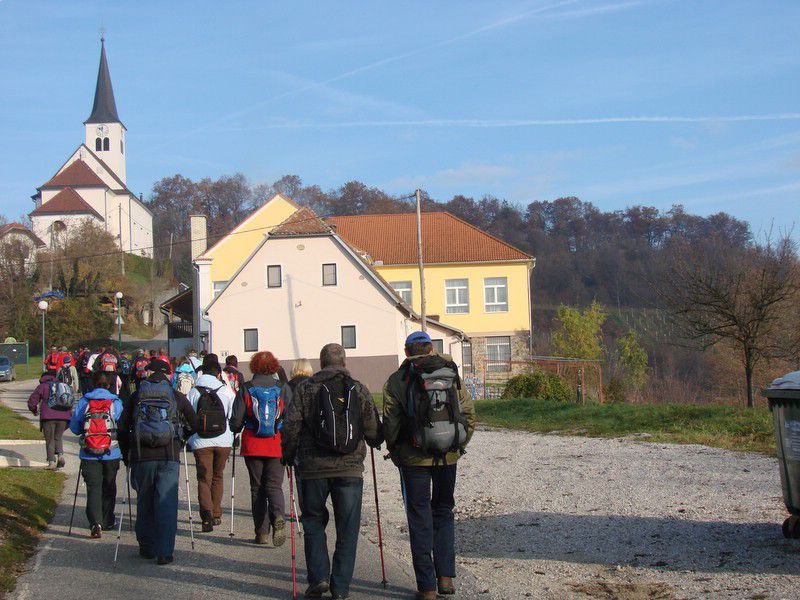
(78, 174)
(104, 109)
(66, 202)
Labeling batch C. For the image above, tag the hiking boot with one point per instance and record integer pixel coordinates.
(315, 590)
(217, 521)
(205, 517)
(446, 586)
(164, 560)
(51, 465)
(262, 539)
(425, 596)
(278, 533)
(207, 527)
(96, 531)
(61, 462)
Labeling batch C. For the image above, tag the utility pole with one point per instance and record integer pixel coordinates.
(170, 246)
(121, 250)
(421, 265)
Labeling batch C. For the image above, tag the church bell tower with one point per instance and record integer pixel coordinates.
(105, 133)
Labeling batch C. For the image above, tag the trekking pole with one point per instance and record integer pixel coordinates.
(122, 515)
(378, 513)
(233, 481)
(188, 497)
(294, 504)
(75, 499)
(291, 526)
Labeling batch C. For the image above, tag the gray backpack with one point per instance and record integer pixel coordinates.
(433, 410)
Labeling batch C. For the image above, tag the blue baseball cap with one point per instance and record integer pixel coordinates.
(418, 336)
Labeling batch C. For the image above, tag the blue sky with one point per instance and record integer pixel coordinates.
(619, 102)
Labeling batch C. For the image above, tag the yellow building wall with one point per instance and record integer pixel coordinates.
(229, 254)
(477, 321)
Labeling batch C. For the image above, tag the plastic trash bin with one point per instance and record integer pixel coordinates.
(785, 407)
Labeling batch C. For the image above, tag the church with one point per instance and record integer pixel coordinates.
(91, 182)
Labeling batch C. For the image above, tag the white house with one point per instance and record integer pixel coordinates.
(18, 249)
(91, 182)
(303, 287)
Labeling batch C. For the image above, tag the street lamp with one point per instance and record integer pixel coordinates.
(43, 307)
(118, 296)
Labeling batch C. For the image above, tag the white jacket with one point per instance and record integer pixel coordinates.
(226, 395)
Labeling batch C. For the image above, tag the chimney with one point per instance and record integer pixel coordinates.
(198, 226)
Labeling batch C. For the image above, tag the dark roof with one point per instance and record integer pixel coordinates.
(104, 109)
(78, 174)
(22, 229)
(67, 201)
(301, 222)
(392, 239)
(180, 305)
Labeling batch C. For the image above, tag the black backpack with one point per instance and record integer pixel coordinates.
(337, 416)
(211, 418)
(64, 375)
(434, 421)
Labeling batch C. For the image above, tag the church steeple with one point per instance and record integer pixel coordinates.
(104, 109)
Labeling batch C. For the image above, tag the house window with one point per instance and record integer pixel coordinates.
(329, 274)
(98, 145)
(495, 294)
(274, 276)
(438, 345)
(498, 353)
(106, 144)
(456, 296)
(218, 287)
(348, 336)
(251, 340)
(404, 289)
(466, 357)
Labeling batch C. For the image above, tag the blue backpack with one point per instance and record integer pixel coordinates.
(266, 420)
(156, 423)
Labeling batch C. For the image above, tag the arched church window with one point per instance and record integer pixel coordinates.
(106, 144)
(98, 145)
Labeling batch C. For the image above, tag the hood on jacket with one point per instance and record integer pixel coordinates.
(100, 394)
(329, 373)
(47, 377)
(208, 381)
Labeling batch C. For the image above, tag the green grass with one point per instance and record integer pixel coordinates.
(32, 370)
(718, 426)
(27, 501)
(15, 427)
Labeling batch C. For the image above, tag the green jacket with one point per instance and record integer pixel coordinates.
(402, 451)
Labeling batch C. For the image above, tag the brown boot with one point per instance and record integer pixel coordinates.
(446, 586)
(425, 596)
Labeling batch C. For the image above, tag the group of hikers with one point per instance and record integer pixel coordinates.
(312, 428)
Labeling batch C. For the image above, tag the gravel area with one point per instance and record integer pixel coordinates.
(546, 516)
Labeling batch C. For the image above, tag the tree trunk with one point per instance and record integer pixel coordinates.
(748, 374)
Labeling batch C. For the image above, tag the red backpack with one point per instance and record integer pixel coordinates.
(140, 368)
(109, 363)
(99, 428)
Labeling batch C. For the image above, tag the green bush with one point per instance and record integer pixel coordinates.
(539, 385)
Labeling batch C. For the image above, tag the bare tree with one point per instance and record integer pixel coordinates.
(743, 295)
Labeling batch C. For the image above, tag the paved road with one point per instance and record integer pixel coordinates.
(218, 567)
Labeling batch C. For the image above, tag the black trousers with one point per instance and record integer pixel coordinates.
(101, 491)
(266, 491)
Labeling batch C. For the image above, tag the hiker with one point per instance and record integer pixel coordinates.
(212, 400)
(53, 360)
(301, 371)
(330, 462)
(95, 421)
(193, 359)
(84, 373)
(108, 362)
(164, 357)
(152, 449)
(183, 378)
(68, 373)
(258, 410)
(231, 374)
(140, 368)
(125, 374)
(426, 451)
(53, 417)
(93, 358)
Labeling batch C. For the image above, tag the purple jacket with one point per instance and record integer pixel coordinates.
(37, 402)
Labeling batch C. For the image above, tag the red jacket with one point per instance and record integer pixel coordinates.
(259, 446)
(54, 361)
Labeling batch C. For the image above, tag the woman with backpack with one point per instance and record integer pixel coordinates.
(301, 371)
(95, 421)
(53, 418)
(258, 411)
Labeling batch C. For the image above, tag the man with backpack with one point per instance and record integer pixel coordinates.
(151, 433)
(323, 432)
(84, 373)
(125, 370)
(428, 421)
(232, 375)
(108, 362)
(212, 400)
(53, 360)
(52, 401)
(68, 373)
(140, 368)
(95, 421)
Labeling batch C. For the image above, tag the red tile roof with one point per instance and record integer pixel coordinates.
(78, 174)
(392, 238)
(67, 201)
(301, 222)
(22, 229)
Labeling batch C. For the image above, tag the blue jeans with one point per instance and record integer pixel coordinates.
(431, 524)
(156, 485)
(345, 493)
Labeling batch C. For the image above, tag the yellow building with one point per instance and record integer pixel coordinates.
(473, 281)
